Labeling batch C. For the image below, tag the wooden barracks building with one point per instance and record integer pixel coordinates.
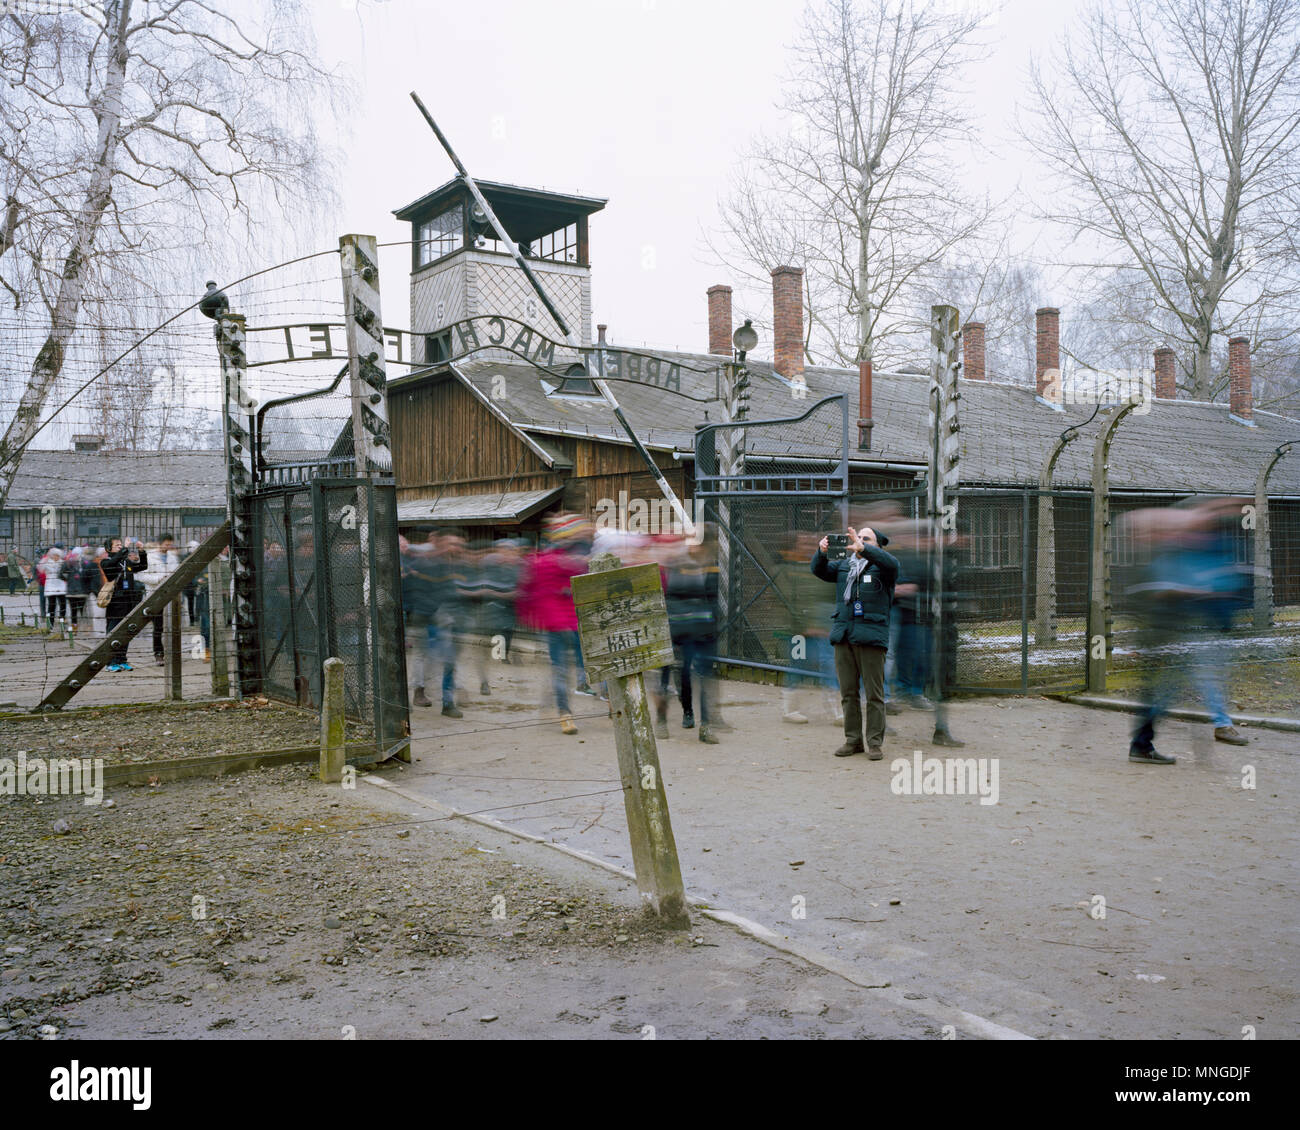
(491, 441)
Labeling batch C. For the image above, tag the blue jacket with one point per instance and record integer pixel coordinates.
(875, 588)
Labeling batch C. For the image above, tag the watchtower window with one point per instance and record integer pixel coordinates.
(560, 246)
(440, 235)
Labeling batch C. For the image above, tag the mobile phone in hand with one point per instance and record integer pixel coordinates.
(837, 547)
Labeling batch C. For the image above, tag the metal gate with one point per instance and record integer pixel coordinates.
(328, 583)
(1016, 595)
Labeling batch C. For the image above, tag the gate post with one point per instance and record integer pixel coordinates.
(942, 476)
(735, 381)
(239, 486)
(1263, 544)
(367, 376)
(1098, 641)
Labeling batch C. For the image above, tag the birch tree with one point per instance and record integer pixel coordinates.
(1173, 129)
(136, 137)
(860, 191)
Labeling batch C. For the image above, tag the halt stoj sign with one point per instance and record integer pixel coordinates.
(622, 621)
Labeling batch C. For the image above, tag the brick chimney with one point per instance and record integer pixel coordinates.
(865, 422)
(1166, 381)
(787, 319)
(972, 351)
(720, 320)
(1241, 401)
(1048, 322)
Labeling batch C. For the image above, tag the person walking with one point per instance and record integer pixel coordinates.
(425, 581)
(546, 602)
(495, 591)
(81, 584)
(38, 570)
(122, 566)
(864, 593)
(164, 561)
(1187, 588)
(691, 595)
(907, 664)
(98, 615)
(14, 571)
(56, 588)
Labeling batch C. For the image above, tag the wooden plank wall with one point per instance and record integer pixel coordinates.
(445, 440)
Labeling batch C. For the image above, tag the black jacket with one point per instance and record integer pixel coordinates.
(691, 595)
(128, 591)
(875, 588)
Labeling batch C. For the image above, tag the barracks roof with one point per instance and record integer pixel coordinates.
(88, 480)
(1006, 430)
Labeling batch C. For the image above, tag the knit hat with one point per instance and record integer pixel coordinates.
(563, 529)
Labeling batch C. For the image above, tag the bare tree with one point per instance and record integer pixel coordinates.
(860, 190)
(131, 134)
(989, 283)
(1174, 129)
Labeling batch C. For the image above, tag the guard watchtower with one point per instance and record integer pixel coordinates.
(459, 269)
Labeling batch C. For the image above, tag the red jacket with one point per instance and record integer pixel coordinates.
(545, 596)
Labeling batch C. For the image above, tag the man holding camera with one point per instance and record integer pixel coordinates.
(864, 592)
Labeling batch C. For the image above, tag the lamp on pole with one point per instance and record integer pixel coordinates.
(735, 403)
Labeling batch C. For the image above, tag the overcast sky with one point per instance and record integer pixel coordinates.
(648, 103)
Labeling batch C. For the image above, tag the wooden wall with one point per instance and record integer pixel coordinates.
(445, 441)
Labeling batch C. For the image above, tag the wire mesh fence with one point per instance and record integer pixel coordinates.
(1021, 583)
(328, 584)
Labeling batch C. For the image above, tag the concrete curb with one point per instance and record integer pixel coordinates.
(942, 1014)
(219, 765)
(1290, 725)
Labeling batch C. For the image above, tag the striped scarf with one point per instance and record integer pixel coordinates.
(857, 566)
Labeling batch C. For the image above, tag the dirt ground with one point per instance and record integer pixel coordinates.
(32, 663)
(124, 735)
(270, 905)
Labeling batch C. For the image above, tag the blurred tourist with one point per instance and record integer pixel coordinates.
(546, 603)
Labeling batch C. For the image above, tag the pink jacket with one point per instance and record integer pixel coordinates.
(545, 597)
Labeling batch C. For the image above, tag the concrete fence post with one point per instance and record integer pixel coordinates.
(1045, 559)
(1263, 581)
(1100, 625)
(332, 723)
(173, 679)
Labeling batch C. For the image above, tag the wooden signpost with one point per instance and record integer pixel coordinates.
(623, 625)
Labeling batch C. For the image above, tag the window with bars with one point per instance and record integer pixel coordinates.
(96, 527)
(440, 235)
(1123, 546)
(996, 537)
